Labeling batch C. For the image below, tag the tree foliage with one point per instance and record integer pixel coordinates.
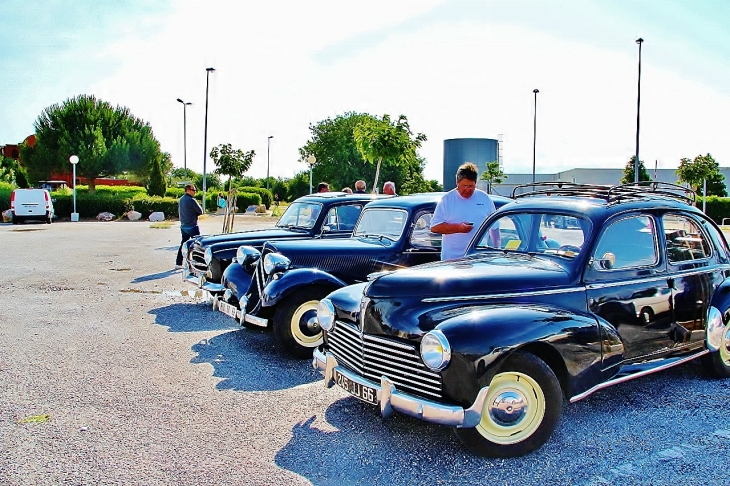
(157, 185)
(340, 163)
(628, 177)
(378, 139)
(493, 175)
(695, 172)
(108, 140)
(231, 162)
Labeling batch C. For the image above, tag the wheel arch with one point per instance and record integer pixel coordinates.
(293, 280)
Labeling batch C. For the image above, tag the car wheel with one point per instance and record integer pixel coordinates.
(295, 322)
(717, 363)
(521, 410)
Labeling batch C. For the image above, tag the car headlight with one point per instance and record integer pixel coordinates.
(435, 350)
(275, 262)
(247, 255)
(326, 314)
(208, 256)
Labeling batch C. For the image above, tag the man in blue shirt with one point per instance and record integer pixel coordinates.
(188, 211)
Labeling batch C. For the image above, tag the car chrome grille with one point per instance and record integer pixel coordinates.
(259, 282)
(196, 260)
(376, 356)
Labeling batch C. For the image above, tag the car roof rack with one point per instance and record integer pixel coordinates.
(610, 194)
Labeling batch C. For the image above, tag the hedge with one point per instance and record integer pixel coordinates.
(266, 196)
(6, 189)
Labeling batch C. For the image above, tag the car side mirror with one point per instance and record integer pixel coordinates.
(606, 262)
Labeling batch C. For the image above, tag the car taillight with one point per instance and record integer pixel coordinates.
(12, 200)
(48, 206)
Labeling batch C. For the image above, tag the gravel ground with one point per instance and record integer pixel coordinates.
(111, 374)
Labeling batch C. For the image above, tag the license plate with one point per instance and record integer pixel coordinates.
(363, 392)
(228, 309)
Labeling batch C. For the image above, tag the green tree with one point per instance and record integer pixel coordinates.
(298, 185)
(493, 175)
(695, 172)
(108, 140)
(231, 162)
(628, 177)
(157, 185)
(378, 139)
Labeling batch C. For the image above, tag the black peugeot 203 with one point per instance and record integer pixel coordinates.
(317, 216)
(281, 286)
(493, 343)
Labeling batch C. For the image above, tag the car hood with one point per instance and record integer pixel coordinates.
(244, 236)
(485, 274)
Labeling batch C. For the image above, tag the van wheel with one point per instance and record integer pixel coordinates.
(49, 220)
(16, 219)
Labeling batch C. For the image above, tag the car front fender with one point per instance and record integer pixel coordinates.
(237, 280)
(289, 281)
(481, 337)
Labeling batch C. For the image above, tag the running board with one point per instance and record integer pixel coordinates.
(638, 374)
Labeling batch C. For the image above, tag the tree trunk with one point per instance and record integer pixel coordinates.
(92, 185)
(377, 174)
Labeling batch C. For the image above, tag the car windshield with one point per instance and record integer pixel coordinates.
(548, 233)
(300, 215)
(381, 222)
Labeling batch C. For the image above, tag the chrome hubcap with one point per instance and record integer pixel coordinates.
(508, 408)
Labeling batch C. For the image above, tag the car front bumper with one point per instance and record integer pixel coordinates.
(390, 399)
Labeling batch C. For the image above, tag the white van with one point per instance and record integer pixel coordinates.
(35, 204)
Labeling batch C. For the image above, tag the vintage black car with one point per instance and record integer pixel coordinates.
(281, 287)
(317, 216)
(494, 342)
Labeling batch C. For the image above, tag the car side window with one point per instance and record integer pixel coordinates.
(628, 243)
(685, 240)
(347, 216)
(422, 237)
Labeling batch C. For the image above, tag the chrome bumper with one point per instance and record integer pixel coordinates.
(391, 399)
(212, 288)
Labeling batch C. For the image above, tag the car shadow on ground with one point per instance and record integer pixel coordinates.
(247, 360)
(609, 430)
(244, 359)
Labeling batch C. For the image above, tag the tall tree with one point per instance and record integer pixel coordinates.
(493, 175)
(628, 177)
(695, 172)
(231, 162)
(157, 185)
(378, 139)
(108, 140)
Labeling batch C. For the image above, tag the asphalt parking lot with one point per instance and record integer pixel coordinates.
(112, 373)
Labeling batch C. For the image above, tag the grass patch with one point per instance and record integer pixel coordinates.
(35, 419)
(161, 224)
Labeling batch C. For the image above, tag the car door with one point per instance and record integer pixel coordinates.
(627, 285)
(340, 220)
(695, 273)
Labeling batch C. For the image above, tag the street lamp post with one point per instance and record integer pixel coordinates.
(311, 160)
(268, 153)
(74, 160)
(534, 137)
(205, 136)
(185, 135)
(638, 105)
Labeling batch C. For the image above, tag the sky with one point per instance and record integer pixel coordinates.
(455, 69)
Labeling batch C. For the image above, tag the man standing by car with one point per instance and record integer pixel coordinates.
(188, 212)
(389, 188)
(460, 211)
(360, 187)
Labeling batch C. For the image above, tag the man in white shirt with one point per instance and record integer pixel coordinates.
(460, 211)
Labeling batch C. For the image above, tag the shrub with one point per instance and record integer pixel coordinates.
(266, 196)
(149, 204)
(717, 208)
(5, 190)
(89, 205)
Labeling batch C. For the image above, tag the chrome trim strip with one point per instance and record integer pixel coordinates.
(256, 321)
(213, 287)
(638, 374)
(390, 399)
(502, 296)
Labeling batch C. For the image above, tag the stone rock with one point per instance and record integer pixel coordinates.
(134, 215)
(7, 216)
(157, 216)
(105, 216)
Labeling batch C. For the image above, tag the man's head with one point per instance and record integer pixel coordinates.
(190, 189)
(360, 186)
(389, 188)
(466, 180)
(323, 187)
(347, 190)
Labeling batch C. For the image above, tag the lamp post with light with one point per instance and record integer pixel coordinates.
(74, 160)
(185, 135)
(268, 153)
(310, 161)
(638, 104)
(205, 136)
